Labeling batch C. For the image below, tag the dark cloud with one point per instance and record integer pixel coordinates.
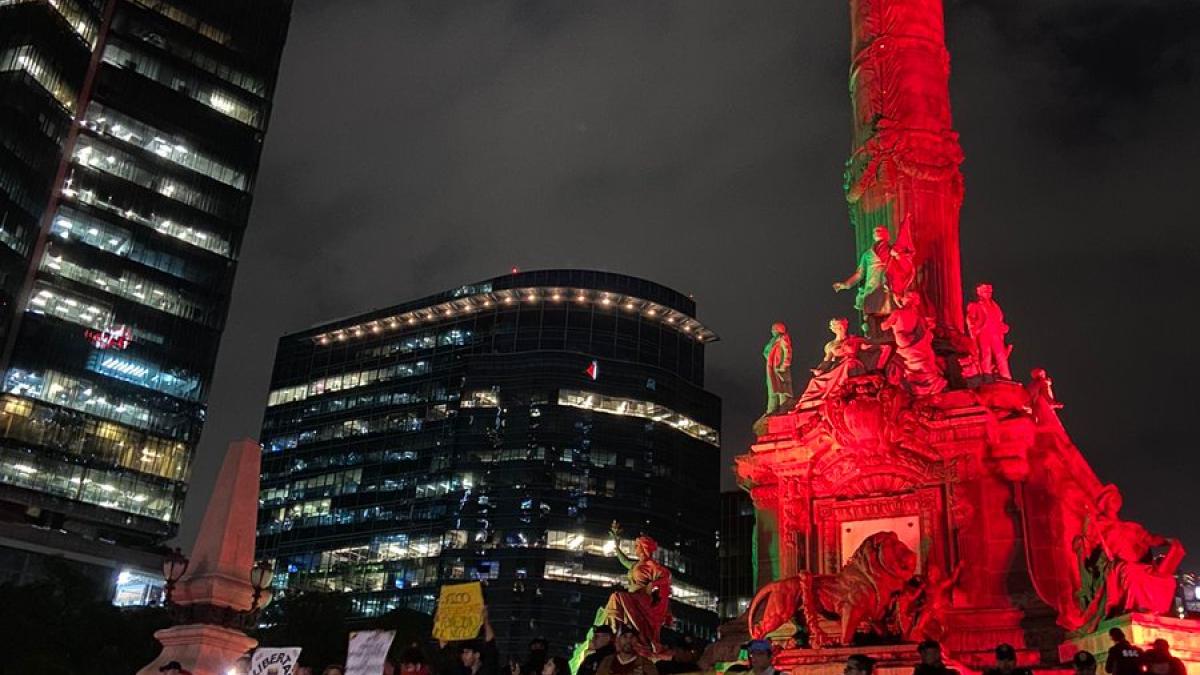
(416, 146)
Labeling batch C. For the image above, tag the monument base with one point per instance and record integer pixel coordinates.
(889, 660)
(1142, 629)
(203, 649)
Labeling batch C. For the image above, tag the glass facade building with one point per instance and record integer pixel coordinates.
(736, 554)
(130, 136)
(494, 432)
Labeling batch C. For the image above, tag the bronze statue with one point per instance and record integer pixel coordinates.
(1118, 570)
(841, 361)
(778, 354)
(873, 298)
(644, 605)
(864, 591)
(914, 344)
(985, 324)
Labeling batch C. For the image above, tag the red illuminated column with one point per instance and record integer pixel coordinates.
(906, 156)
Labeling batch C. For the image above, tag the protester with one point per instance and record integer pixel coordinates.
(931, 660)
(859, 664)
(1177, 666)
(412, 662)
(684, 658)
(538, 648)
(1123, 658)
(303, 670)
(1006, 662)
(1084, 663)
(556, 665)
(472, 657)
(602, 646)
(333, 670)
(759, 652)
(1156, 663)
(626, 660)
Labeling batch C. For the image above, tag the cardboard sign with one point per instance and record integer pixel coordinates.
(459, 612)
(274, 660)
(367, 651)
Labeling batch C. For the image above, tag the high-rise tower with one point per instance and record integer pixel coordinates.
(130, 135)
(906, 155)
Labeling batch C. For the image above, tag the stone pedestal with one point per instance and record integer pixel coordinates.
(889, 660)
(1141, 629)
(214, 596)
(201, 648)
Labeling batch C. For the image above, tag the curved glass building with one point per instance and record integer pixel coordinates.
(494, 432)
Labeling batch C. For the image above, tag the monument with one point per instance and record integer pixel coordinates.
(220, 590)
(914, 490)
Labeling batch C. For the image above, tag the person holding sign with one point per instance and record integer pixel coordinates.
(645, 604)
(471, 657)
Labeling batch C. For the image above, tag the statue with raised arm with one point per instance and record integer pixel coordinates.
(985, 324)
(841, 361)
(873, 298)
(645, 602)
(914, 345)
(778, 355)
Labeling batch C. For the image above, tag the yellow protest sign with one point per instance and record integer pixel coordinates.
(459, 612)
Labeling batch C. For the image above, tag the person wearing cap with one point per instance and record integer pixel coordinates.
(626, 660)
(759, 652)
(1006, 662)
(1163, 647)
(602, 646)
(1123, 658)
(1084, 663)
(859, 664)
(931, 660)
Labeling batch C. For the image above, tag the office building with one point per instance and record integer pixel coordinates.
(130, 136)
(494, 432)
(736, 554)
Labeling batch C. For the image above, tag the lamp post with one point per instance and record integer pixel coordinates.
(173, 567)
(260, 579)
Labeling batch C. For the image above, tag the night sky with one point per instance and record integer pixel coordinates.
(418, 146)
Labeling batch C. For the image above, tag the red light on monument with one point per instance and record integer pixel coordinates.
(593, 370)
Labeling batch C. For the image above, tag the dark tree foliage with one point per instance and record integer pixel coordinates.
(56, 625)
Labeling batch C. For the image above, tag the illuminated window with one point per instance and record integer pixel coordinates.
(346, 381)
(27, 59)
(109, 122)
(580, 574)
(489, 398)
(615, 405)
(234, 106)
(184, 18)
(143, 373)
(129, 286)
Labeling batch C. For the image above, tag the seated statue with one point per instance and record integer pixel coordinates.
(645, 602)
(841, 361)
(914, 345)
(1118, 570)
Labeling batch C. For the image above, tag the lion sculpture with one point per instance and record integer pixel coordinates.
(863, 592)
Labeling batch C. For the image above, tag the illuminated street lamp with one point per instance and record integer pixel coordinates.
(173, 567)
(260, 578)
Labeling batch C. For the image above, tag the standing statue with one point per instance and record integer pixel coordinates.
(1045, 406)
(644, 605)
(901, 269)
(922, 608)
(1118, 569)
(778, 354)
(841, 361)
(985, 324)
(873, 298)
(914, 344)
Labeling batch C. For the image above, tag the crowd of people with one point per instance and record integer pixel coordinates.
(615, 653)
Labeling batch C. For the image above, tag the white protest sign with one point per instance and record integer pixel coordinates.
(274, 660)
(368, 650)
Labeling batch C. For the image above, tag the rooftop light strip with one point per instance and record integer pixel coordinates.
(620, 303)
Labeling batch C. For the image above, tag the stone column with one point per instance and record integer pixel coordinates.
(906, 156)
(215, 593)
